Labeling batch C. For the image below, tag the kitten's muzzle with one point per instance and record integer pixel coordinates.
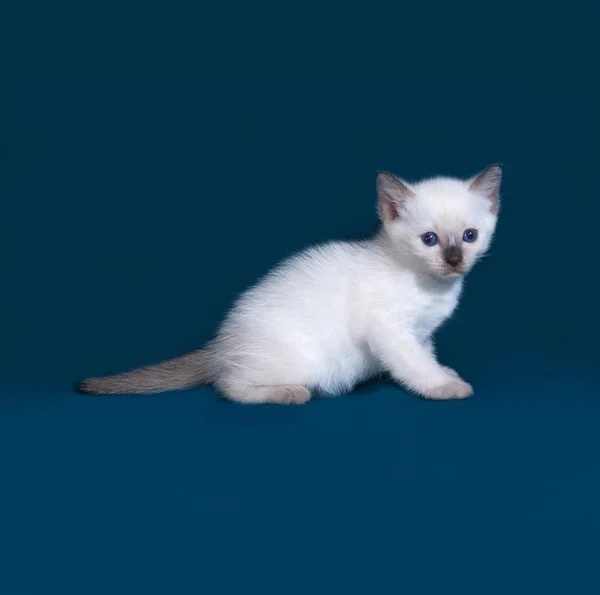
(453, 256)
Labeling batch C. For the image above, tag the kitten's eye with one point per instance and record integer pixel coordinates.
(470, 235)
(429, 238)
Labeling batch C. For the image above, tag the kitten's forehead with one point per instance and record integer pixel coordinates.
(446, 203)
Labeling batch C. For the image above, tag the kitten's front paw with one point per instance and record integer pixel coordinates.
(450, 371)
(454, 389)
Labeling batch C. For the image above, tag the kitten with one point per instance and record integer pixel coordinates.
(337, 314)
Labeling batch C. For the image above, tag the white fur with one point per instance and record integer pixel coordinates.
(338, 314)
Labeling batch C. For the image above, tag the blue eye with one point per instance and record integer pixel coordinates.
(470, 235)
(429, 238)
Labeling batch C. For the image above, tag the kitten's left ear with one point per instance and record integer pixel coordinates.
(392, 193)
(487, 183)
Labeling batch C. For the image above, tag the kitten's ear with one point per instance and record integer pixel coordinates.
(487, 183)
(392, 193)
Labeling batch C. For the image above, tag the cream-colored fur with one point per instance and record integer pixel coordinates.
(340, 313)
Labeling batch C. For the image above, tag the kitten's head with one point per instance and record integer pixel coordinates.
(444, 224)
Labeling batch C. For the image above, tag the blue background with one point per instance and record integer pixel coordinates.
(156, 159)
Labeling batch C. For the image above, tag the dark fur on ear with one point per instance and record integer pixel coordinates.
(392, 193)
(487, 183)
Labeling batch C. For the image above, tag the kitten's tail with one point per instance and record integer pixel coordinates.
(178, 373)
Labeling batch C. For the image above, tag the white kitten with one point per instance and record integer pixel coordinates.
(338, 314)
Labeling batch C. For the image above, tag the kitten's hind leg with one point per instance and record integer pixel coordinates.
(282, 394)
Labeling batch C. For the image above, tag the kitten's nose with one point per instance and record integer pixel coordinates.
(453, 255)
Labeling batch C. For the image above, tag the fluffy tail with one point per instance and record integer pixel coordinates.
(174, 374)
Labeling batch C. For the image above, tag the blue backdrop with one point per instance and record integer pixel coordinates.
(153, 162)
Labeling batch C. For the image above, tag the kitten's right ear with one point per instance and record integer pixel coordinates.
(392, 193)
(487, 183)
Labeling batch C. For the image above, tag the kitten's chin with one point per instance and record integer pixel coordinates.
(451, 275)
